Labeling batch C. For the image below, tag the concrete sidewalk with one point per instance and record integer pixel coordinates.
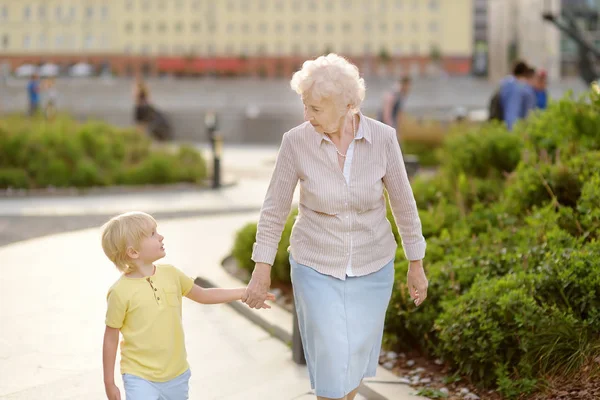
(54, 295)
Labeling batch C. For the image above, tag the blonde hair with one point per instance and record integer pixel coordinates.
(331, 76)
(124, 231)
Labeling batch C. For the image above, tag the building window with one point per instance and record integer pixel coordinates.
(145, 49)
(329, 28)
(129, 27)
(399, 27)
(245, 5)
(179, 6)
(383, 5)
(312, 5)
(296, 27)
(162, 27)
(279, 5)
(367, 5)
(26, 41)
(313, 28)
(367, 27)
(296, 49)
(261, 49)
(398, 49)
(279, 27)
(244, 48)
(245, 28)
(60, 41)
(129, 4)
(42, 12)
(163, 49)
(5, 41)
(146, 27)
(229, 49)
(399, 4)
(347, 27)
(42, 41)
(263, 27)
(297, 5)
(179, 27)
(26, 13)
(162, 5)
(58, 12)
(72, 12)
(329, 5)
(433, 26)
(89, 41)
(347, 5)
(434, 5)
(128, 49)
(196, 27)
(89, 12)
(230, 5)
(279, 49)
(230, 28)
(415, 48)
(4, 12)
(415, 26)
(415, 4)
(262, 5)
(383, 27)
(145, 5)
(104, 12)
(367, 48)
(196, 5)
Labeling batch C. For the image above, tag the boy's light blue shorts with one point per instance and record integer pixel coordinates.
(137, 388)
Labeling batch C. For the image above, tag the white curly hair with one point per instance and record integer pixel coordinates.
(331, 76)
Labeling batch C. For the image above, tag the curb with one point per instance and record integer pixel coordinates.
(371, 388)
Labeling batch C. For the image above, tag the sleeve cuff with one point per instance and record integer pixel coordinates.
(415, 251)
(263, 254)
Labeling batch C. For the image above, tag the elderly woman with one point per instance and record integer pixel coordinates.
(342, 248)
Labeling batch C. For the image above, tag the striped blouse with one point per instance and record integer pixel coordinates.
(340, 223)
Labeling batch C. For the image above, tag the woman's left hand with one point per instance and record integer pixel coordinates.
(417, 282)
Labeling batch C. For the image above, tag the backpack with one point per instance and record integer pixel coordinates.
(496, 111)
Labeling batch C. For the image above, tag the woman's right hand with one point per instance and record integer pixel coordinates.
(258, 287)
(112, 392)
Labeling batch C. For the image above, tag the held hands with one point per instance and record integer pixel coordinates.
(112, 392)
(417, 282)
(257, 290)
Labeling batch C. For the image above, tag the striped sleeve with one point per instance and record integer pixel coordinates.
(277, 204)
(402, 201)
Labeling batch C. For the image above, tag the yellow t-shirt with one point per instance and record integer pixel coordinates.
(148, 313)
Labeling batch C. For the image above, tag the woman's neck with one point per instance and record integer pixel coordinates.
(346, 127)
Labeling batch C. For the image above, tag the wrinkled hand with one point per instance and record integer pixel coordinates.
(112, 392)
(417, 282)
(257, 290)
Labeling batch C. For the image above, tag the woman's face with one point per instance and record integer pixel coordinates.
(323, 114)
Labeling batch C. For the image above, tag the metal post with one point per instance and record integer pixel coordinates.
(297, 349)
(217, 150)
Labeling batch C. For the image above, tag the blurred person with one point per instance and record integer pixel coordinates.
(141, 99)
(33, 94)
(516, 94)
(394, 101)
(540, 85)
(51, 97)
(342, 248)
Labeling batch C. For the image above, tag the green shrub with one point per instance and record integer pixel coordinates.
(242, 246)
(65, 153)
(13, 178)
(484, 152)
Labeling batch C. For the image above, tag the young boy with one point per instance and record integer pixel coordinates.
(145, 306)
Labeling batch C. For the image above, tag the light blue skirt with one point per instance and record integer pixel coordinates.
(341, 325)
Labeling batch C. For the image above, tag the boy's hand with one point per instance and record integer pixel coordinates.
(270, 296)
(112, 392)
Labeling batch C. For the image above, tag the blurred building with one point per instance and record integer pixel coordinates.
(516, 30)
(589, 26)
(265, 37)
(480, 38)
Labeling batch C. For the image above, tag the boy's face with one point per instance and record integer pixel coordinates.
(151, 248)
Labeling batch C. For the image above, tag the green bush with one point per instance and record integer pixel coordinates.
(65, 153)
(242, 249)
(13, 178)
